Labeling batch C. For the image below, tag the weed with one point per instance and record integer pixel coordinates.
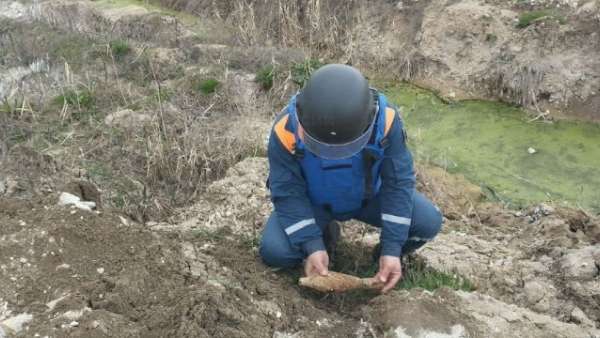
(119, 200)
(9, 107)
(491, 38)
(82, 100)
(206, 86)
(99, 170)
(264, 77)
(163, 95)
(527, 18)
(418, 275)
(302, 71)
(73, 49)
(215, 235)
(250, 241)
(355, 260)
(119, 48)
(79, 98)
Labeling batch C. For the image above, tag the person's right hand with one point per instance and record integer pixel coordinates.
(317, 264)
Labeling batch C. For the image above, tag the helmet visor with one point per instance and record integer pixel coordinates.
(334, 151)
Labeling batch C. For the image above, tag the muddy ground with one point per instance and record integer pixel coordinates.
(108, 100)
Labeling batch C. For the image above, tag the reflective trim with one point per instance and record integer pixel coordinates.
(420, 239)
(295, 227)
(396, 219)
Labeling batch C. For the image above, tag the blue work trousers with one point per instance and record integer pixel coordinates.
(276, 250)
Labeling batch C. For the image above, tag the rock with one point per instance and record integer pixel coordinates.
(546, 209)
(12, 9)
(534, 292)
(581, 263)
(70, 199)
(531, 150)
(127, 118)
(15, 324)
(444, 310)
(85, 190)
(579, 317)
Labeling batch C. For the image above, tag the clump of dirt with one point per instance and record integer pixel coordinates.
(92, 274)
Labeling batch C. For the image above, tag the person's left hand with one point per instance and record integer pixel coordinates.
(390, 272)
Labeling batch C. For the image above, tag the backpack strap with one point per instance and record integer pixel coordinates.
(390, 113)
(286, 137)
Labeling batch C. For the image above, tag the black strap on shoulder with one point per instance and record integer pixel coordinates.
(368, 161)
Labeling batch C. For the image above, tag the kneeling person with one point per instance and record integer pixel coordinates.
(336, 152)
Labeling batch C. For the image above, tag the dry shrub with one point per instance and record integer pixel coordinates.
(317, 24)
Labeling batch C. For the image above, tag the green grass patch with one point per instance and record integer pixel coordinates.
(418, 275)
(119, 48)
(79, 98)
(491, 38)
(264, 77)
(528, 18)
(163, 95)
(82, 101)
(302, 71)
(206, 86)
(98, 170)
(356, 260)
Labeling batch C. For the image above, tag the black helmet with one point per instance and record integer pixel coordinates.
(336, 111)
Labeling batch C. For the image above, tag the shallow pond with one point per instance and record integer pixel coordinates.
(495, 146)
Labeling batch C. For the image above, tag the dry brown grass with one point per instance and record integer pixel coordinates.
(316, 24)
(146, 170)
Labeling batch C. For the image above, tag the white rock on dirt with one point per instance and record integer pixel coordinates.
(127, 118)
(457, 331)
(581, 263)
(70, 199)
(12, 9)
(15, 324)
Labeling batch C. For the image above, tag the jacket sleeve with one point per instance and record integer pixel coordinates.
(289, 196)
(397, 191)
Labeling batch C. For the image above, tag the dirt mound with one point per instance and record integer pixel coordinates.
(536, 261)
(78, 273)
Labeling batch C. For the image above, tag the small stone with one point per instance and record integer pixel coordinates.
(546, 209)
(127, 118)
(579, 317)
(531, 150)
(100, 270)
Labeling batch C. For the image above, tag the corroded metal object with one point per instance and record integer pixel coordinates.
(339, 282)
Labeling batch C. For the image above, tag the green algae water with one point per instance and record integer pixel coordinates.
(494, 145)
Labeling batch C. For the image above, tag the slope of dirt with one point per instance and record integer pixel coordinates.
(85, 274)
(544, 260)
(540, 54)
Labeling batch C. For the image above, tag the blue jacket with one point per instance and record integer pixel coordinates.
(293, 207)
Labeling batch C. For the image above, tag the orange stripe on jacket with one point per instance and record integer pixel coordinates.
(286, 137)
(390, 113)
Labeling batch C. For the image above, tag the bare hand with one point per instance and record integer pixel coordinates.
(390, 272)
(316, 264)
